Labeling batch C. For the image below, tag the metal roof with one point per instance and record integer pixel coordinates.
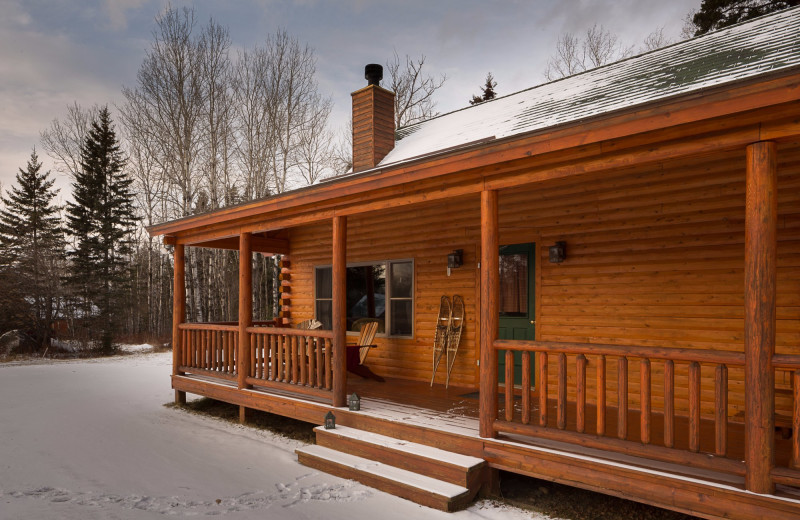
(743, 51)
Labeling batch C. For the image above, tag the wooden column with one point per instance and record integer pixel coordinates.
(245, 305)
(178, 314)
(490, 301)
(339, 314)
(761, 217)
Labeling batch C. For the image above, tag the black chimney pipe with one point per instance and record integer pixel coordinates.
(373, 73)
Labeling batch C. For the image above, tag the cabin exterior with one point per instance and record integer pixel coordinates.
(654, 356)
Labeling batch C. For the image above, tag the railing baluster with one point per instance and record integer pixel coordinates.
(622, 398)
(721, 419)
(281, 365)
(253, 358)
(294, 358)
(644, 393)
(509, 385)
(328, 372)
(580, 391)
(561, 411)
(526, 387)
(214, 336)
(273, 363)
(301, 349)
(694, 406)
(542, 373)
(312, 361)
(601, 395)
(669, 403)
(795, 462)
(320, 363)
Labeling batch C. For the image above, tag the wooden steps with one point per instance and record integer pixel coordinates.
(428, 476)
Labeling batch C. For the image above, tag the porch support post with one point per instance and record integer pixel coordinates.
(339, 314)
(178, 315)
(245, 306)
(490, 274)
(761, 218)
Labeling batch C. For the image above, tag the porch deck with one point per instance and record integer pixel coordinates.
(448, 418)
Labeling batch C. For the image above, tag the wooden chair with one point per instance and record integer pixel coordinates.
(357, 353)
(309, 325)
(365, 340)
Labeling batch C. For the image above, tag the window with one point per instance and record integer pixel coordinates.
(369, 296)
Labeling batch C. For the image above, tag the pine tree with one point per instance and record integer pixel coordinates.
(716, 14)
(33, 247)
(102, 220)
(487, 91)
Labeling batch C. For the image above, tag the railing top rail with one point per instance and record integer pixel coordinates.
(663, 353)
(281, 331)
(208, 326)
(786, 361)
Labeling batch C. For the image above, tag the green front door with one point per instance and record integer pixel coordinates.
(517, 311)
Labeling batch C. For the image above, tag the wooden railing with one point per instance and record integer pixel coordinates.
(209, 349)
(791, 475)
(294, 360)
(535, 419)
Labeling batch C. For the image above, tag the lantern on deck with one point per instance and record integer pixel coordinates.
(355, 402)
(330, 421)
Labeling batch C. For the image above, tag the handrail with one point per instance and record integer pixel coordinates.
(277, 331)
(673, 354)
(208, 326)
(786, 361)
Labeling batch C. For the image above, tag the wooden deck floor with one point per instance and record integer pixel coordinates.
(448, 419)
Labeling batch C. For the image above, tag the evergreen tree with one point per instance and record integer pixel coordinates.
(33, 247)
(716, 14)
(487, 91)
(102, 220)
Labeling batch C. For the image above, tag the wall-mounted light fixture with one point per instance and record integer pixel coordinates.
(455, 260)
(558, 252)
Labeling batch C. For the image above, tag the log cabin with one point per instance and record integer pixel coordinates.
(626, 242)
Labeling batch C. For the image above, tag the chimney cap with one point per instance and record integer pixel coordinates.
(373, 73)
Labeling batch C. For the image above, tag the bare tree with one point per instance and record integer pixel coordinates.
(574, 55)
(168, 104)
(63, 140)
(655, 40)
(413, 89)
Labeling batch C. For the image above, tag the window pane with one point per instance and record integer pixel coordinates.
(324, 310)
(402, 279)
(366, 295)
(402, 316)
(514, 285)
(324, 282)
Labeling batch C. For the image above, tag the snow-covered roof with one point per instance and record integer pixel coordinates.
(757, 47)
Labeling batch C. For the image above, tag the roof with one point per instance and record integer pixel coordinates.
(758, 50)
(746, 50)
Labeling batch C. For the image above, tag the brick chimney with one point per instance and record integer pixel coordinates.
(373, 121)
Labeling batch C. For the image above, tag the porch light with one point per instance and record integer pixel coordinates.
(355, 402)
(558, 252)
(455, 259)
(330, 421)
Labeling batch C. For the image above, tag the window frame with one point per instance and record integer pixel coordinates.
(387, 263)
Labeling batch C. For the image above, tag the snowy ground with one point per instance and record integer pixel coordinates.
(92, 439)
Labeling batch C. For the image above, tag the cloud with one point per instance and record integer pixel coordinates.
(117, 11)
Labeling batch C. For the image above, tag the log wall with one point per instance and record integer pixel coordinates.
(654, 257)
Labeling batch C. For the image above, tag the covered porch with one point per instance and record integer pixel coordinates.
(663, 366)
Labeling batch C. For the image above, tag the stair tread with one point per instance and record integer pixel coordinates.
(379, 469)
(448, 457)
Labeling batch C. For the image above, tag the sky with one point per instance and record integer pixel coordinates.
(56, 52)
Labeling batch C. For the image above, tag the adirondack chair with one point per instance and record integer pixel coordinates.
(309, 325)
(357, 352)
